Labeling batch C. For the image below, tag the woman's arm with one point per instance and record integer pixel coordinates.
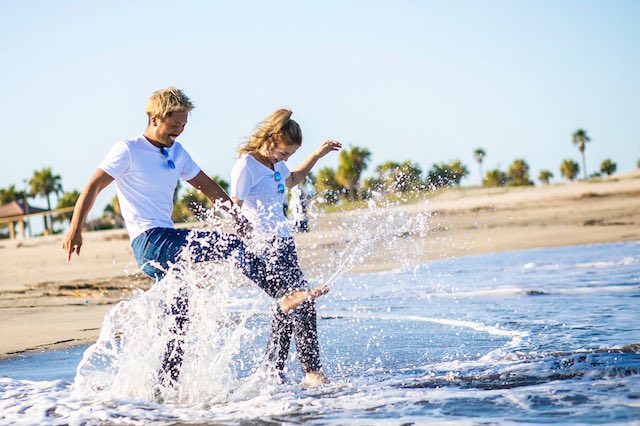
(298, 174)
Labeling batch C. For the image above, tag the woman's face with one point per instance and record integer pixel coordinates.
(280, 151)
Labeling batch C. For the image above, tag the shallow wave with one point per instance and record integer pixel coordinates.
(626, 261)
(508, 291)
(477, 326)
(512, 370)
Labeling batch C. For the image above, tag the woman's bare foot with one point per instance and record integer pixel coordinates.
(290, 302)
(314, 378)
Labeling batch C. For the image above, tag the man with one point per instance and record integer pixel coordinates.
(146, 170)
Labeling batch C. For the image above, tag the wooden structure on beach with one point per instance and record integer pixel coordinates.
(19, 212)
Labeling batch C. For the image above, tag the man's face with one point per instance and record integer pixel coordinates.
(167, 130)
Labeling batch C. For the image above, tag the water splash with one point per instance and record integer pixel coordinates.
(126, 359)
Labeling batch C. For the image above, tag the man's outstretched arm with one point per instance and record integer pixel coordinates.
(73, 240)
(211, 189)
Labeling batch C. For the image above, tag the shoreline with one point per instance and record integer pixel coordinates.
(47, 304)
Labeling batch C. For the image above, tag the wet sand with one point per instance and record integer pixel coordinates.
(46, 303)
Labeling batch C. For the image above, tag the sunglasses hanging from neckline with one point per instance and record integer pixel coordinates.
(170, 162)
(278, 177)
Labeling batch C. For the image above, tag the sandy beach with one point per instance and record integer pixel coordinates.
(46, 302)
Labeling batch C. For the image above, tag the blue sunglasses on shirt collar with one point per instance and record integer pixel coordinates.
(170, 162)
(278, 177)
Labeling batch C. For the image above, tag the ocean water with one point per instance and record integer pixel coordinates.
(536, 336)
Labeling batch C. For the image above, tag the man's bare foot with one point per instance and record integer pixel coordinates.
(314, 378)
(297, 298)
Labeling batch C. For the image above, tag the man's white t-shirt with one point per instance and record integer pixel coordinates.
(145, 183)
(255, 184)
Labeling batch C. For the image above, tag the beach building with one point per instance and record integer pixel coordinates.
(19, 212)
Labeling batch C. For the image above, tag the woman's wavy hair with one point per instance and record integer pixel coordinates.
(277, 128)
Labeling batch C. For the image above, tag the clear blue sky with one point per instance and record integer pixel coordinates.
(427, 81)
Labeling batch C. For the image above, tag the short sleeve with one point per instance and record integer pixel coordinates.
(189, 167)
(284, 170)
(241, 180)
(117, 161)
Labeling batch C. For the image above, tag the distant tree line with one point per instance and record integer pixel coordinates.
(345, 182)
(518, 172)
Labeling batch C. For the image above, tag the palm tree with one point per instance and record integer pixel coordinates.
(193, 203)
(44, 183)
(407, 177)
(386, 169)
(608, 167)
(327, 185)
(10, 194)
(372, 184)
(446, 174)
(352, 162)
(518, 173)
(220, 181)
(569, 169)
(68, 199)
(495, 178)
(580, 138)
(545, 176)
(479, 155)
(383, 179)
(114, 207)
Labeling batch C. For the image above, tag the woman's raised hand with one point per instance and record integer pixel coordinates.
(328, 146)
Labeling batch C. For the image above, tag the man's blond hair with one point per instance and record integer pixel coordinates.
(165, 101)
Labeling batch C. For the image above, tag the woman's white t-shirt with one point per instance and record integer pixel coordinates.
(256, 185)
(145, 183)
